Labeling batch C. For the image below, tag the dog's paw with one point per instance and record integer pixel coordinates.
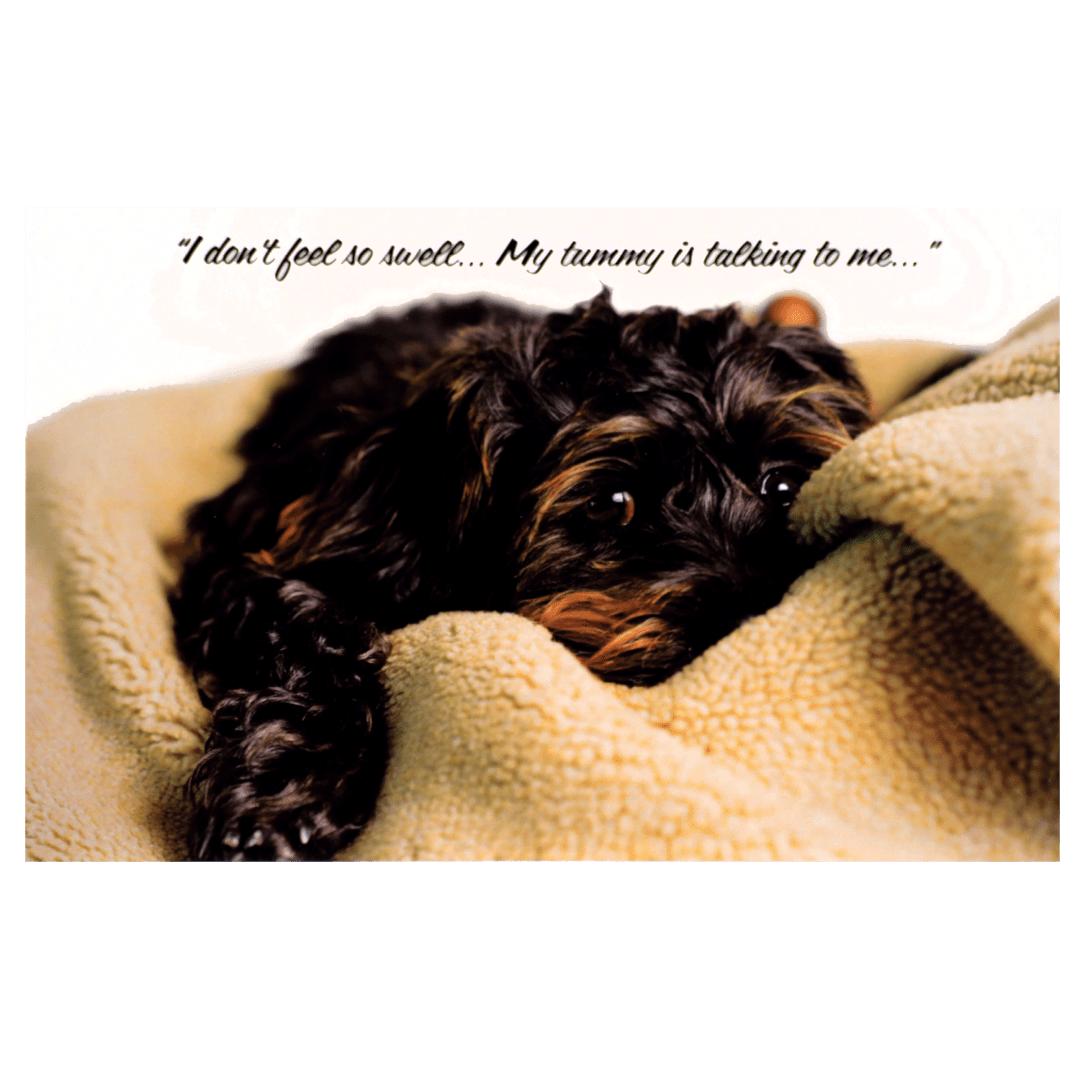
(247, 837)
(285, 778)
(247, 841)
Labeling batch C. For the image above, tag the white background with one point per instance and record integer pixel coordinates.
(111, 305)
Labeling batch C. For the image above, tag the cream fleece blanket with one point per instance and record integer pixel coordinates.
(901, 702)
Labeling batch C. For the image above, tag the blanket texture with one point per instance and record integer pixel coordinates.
(901, 702)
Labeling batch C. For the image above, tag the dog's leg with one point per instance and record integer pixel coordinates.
(292, 768)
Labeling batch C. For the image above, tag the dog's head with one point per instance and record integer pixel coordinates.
(623, 480)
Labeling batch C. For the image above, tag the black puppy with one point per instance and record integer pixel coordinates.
(624, 480)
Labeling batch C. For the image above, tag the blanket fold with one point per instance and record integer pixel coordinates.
(899, 703)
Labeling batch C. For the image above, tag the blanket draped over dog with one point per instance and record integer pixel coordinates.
(901, 702)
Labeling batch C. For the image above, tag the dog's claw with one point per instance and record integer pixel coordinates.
(242, 842)
(305, 834)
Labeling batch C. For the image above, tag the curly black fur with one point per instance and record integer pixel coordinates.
(621, 479)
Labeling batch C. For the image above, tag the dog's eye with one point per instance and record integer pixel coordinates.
(780, 486)
(614, 508)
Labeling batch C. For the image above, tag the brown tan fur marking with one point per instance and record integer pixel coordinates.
(609, 633)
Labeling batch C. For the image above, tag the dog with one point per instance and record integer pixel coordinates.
(622, 479)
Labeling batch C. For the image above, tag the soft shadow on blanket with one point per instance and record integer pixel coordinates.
(901, 702)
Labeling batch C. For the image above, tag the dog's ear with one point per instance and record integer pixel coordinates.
(803, 357)
(778, 387)
(419, 514)
(804, 349)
